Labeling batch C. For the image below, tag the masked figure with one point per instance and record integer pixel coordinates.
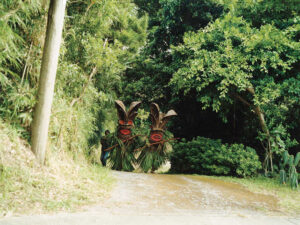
(158, 149)
(122, 157)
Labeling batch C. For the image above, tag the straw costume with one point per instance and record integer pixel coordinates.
(125, 141)
(156, 150)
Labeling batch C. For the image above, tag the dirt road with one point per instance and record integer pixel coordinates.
(171, 200)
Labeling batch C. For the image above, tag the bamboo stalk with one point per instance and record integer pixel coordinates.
(94, 71)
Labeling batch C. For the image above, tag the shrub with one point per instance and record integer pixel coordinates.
(211, 157)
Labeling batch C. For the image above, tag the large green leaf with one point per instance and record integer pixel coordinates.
(297, 159)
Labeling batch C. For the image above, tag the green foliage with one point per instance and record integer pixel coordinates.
(232, 56)
(211, 157)
(15, 19)
(152, 157)
(142, 123)
(231, 60)
(107, 36)
(277, 12)
(122, 157)
(28, 187)
(203, 54)
(289, 163)
(73, 113)
(240, 45)
(21, 33)
(151, 71)
(100, 39)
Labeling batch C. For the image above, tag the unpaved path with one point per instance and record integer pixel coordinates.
(170, 200)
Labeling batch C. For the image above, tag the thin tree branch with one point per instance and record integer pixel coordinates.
(94, 71)
(26, 63)
(264, 127)
(237, 96)
(88, 8)
(259, 113)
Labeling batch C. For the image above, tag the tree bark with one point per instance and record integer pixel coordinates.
(268, 161)
(261, 117)
(42, 114)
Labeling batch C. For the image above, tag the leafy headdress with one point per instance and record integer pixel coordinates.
(126, 118)
(159, 121)
(157, 153)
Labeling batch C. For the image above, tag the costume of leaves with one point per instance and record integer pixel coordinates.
(156, 150)
(122, 156)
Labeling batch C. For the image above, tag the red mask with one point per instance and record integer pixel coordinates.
(126, 118)
(159, 121)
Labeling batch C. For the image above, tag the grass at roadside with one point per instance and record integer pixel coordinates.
(63, 184)
(288, 199)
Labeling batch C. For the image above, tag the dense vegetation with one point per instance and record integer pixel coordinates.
(230, 69)
(100, 38)
(211, 157)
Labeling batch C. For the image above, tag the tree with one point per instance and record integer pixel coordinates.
(47, 78)
(105, 37)
(21, 33)
(101, 38)
(148, 77)
(151, 71)
(230, 59)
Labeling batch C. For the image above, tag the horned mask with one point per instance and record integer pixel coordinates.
(159, 122)
(126, 118)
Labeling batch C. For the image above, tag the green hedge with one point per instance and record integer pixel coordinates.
(211, 157)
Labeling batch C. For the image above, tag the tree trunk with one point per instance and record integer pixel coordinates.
(47, 78)
(261, 117)
(268, 161)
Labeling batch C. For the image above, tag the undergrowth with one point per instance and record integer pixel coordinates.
(64, 183)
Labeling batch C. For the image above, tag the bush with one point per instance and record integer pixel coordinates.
(211, 157)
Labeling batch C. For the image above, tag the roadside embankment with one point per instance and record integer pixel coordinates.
(63, 184)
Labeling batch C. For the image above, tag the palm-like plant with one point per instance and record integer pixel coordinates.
(290, 162)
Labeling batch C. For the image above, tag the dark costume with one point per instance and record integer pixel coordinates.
(105, 144)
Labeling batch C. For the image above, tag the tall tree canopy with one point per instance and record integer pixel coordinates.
(237, 58)
(148, 77)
